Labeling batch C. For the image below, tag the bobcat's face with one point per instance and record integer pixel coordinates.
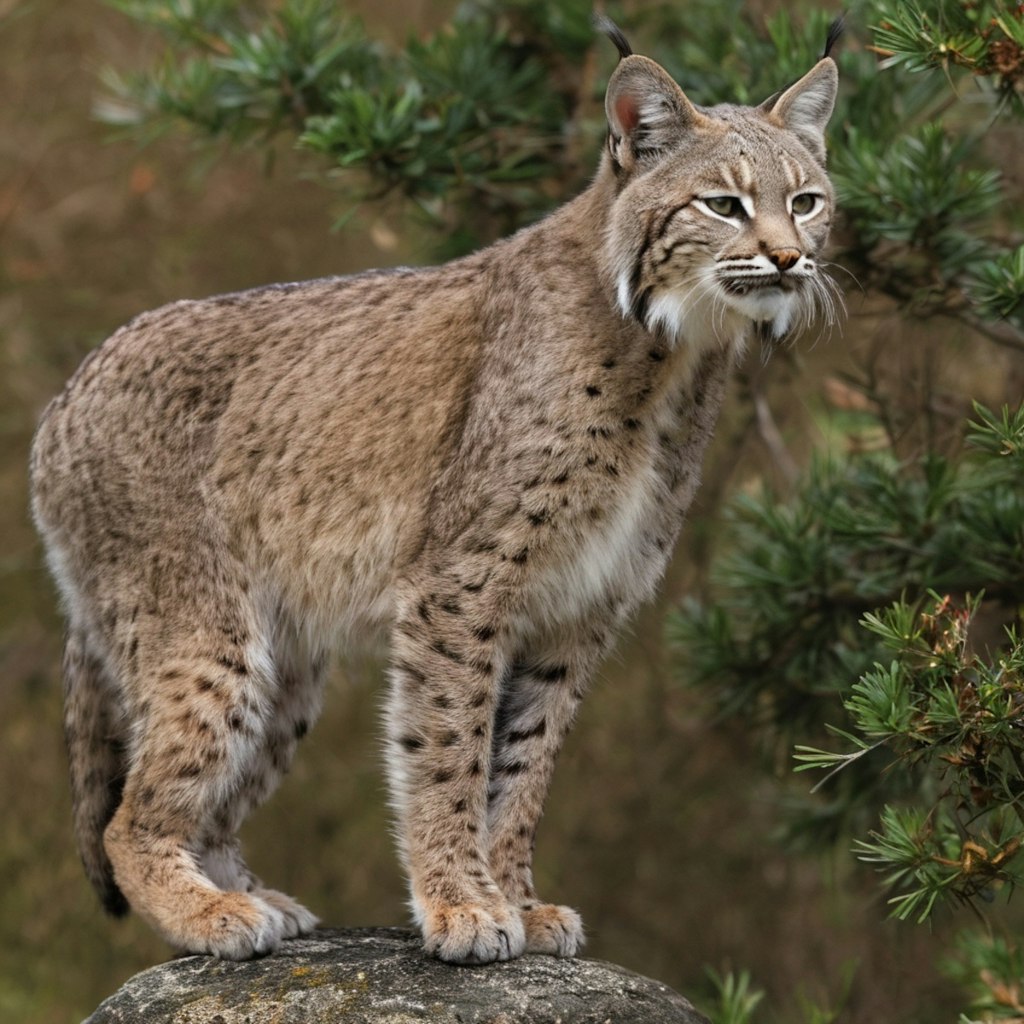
(722, 212)
(756, 218)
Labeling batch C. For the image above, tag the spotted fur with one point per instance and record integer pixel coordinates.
(488, 462)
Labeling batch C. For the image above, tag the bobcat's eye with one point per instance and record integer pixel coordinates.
(724, 206)
(805, 203)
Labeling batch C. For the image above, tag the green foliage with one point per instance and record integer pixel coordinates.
(921, 192)
(999, 434)
(991, 970)
(736, 57)
(984, 38)
(496, 117)
(996, 286)
(812, 593)
(929, 193)
(452, 123)
(463, 117)
(799, 580)
(736, 999)
(226, 73)
(796, 578)
(957, 718)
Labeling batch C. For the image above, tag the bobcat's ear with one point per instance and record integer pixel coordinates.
(647, 111)
(805, 107)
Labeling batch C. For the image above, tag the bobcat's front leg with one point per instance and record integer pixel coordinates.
(540, 698)
(446, 669)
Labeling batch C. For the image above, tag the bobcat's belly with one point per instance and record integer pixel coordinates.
(338, 577)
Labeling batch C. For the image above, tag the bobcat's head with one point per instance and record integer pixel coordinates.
(720, 213)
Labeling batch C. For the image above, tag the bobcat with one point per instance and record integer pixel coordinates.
(489, 460)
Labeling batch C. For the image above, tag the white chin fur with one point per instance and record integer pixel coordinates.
(775, 308)
(692, 315)
(691, 311)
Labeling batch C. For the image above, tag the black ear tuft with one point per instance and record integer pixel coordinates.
(614, 33)
(835, 30)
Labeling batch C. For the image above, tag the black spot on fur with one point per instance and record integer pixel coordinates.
(440, 647)
(518, 736)
(552, 673)
(414, 674)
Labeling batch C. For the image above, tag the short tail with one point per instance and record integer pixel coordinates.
(94, 731)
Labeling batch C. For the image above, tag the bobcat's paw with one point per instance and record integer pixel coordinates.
(467, 933)
(297, 919)
(550, 929)
(232, 926)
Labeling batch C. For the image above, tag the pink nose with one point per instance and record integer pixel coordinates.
(784, 259)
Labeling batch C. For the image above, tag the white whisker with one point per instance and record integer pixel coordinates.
(849, 273)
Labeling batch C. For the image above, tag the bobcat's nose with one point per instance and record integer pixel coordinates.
(785, 259)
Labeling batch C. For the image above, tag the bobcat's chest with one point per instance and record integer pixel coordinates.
(617, 562)
(615, 548)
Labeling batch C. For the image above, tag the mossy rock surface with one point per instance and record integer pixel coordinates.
(381, 976)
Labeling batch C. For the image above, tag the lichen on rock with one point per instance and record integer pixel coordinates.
(382, 976)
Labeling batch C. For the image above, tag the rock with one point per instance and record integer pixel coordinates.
(381, 976)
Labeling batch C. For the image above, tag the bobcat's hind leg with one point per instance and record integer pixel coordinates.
(297, 702)
(164, 881)
(201, 756)
(224, 865)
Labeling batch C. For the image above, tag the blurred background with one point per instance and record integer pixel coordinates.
(664, 824)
